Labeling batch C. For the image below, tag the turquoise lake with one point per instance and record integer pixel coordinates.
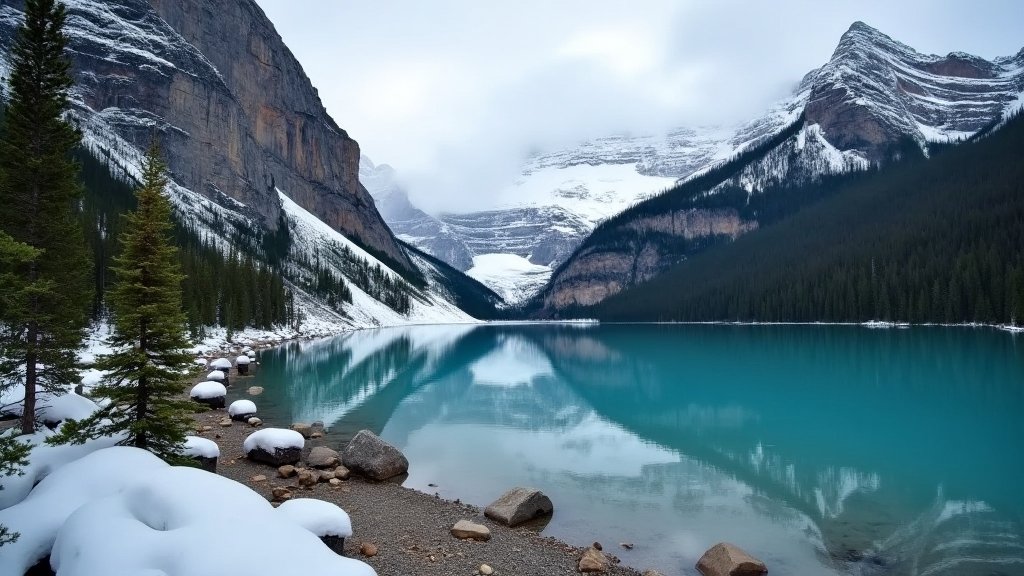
(819, 449)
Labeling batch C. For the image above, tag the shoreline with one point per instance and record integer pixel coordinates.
(409, 528)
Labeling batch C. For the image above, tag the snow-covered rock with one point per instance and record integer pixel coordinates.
(198, 447)
(319, 517)
(217, 375)
(242, 360)
(242, 410)
(209, 393)
(274, 446)
(220, 364)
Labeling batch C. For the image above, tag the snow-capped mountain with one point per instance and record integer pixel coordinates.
(861, 107)
(249, 145)
(872, 102)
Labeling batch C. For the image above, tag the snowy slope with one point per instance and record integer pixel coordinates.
(513, 277)
(123, 50)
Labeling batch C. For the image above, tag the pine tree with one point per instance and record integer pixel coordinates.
(14, 256)
(146, 373)
(38, 193)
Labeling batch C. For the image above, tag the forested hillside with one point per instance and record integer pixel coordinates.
(924, 240)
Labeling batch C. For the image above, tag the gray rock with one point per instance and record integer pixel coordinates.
(342, 473)
(255, 422)
(651, 572)
(255, 390)
(724, 559)
(279, 457)
(519, 505)
(323, 457)
(374, 458)
(464, 529)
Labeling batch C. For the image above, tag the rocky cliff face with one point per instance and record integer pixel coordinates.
(235, 112)
(862, 108)
(876, 91)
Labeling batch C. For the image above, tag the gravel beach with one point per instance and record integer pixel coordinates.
(409, 528)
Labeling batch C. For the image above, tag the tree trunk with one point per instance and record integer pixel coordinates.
(142, 394)
(28, 415)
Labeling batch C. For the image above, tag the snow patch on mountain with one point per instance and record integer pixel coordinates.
(513, 277)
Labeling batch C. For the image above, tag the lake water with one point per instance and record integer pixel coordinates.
(819, 449)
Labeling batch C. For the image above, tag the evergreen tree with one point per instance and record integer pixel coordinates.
(146, 373)
(14, 256)
(38, 193)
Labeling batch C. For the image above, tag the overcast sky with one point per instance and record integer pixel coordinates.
(454, 93)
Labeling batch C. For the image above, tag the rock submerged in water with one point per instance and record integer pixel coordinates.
(519, 505)
(374, 458)
(465, 529)
(724, 559)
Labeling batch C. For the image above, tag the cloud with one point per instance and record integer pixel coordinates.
(455, 93)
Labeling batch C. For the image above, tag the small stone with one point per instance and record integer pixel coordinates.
(226, 422)
(255, 390)
(207, 428)
(255, 422)
(626, 545)
(367, 549)
(316, 434)
(464, 529)
(342, 473)
(258, 478)
(724, 559)
(305, 429)
(281, 494)
(326, 475)
(308, 478)
(286, 471)
(593, 560)
(334, 482)
(323, 457)
(651, 572)
(486, 570)
(597, 546)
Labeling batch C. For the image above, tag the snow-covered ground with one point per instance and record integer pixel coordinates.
(513, 277)
(121, 510)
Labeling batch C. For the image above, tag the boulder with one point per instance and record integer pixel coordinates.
(651, 572)
(242, 410)
(206, 463)
(724, 559)
(374, 458)
(519, 505)
(274, 446)
(255, 422)
(286, 471)
(323, 457)
(593, 560)
(464, 529)
(255, 390)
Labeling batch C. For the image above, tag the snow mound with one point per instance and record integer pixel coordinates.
(208, 389)
(239, 407)
(197, 447)
(42, 461)
(319, 517)
(216, 375)
(68, 406)
(242, 360)
(221, 364)
(271, 439)
(41, 514)
(200, 361)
